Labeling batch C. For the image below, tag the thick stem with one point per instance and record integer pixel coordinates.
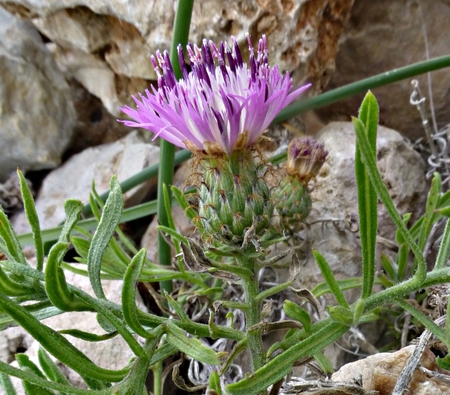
(253, 313)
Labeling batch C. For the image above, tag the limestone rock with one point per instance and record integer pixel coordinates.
(333, 221)
(302, 35)
(385, 35)
(37, 113)
(125, 158)
(380, 372)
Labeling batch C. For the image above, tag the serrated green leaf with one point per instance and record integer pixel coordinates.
(130, 281)
(33, 220)
(109, 220)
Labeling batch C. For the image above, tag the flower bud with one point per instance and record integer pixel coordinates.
(292, 196)
(233, 197)
(305, 158)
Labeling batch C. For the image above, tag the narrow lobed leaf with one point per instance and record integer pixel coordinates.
(109, 220)
(33, 219)
(130, 281)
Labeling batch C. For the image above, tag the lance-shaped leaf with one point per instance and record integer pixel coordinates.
(129, 294)
(6, 383)
(27, 365)
(367, 197)
(57, 345)
(341, 314)
(109, 220)
(184, 204)
(330, 279)
(432, 202)
(50, 368)
(444, 248)
(73, 209)
(282, 364)
(383, 194)
(33, 219)
(190, 345)
(13, 288)
(10, 245)
(55, 282)
(297, 313)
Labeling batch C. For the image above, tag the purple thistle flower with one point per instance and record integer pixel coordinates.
(220, 105)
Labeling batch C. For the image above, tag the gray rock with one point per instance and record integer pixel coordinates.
(384, 35)
(37, 113)
(333, 221)
(125, 158)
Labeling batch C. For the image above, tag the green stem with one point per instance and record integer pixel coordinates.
(157, 378)
(167, 150)
(354, 88)
(253, 312)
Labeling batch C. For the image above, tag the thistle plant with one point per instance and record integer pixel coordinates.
(219, 111)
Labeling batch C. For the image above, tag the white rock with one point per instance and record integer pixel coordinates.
(125, 158)
(36, 111)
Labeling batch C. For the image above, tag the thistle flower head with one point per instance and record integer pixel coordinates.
(221, 105)
(305, 158)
